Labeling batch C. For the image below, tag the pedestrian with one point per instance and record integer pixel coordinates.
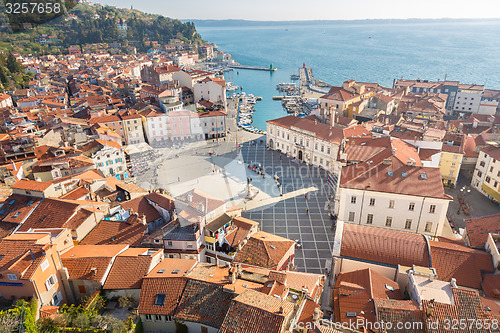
(179, 179)
(307, 210)
(305, 195)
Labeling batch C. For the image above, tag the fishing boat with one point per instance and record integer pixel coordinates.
(294, 77)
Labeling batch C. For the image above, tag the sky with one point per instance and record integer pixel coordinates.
(291, 10)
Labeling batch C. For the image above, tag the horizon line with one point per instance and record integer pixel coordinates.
(343, 20)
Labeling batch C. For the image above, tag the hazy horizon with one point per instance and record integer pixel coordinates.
(315, 10)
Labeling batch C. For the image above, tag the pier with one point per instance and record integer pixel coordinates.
(257, 68)
(308, 82)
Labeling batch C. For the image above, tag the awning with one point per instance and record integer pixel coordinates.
(491, 192)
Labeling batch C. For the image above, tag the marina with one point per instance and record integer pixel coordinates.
(245, 112)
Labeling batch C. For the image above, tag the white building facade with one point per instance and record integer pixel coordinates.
(486, 177)
(394, 211)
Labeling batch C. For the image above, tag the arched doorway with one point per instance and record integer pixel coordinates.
(300, 155)
(271, 144)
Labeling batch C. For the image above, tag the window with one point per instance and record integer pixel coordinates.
(160, 299)
(322, 148)
(408, 224)
(157, 317)
(351, 216)
(372, 202)
(149, 317)
(488, 179)
(328, 151)
(51, 281)
(432, 209)
(353, 199)
(44, 265)
(190, 246)
(388, 221)
(479, 173)
(452, 164)
(482, 163)
(12, 277)
(411, 207)
(451, 173)
(495, 184)
(428, 227)
(391, 204)
(169, 243)
(369, 219)
(491, 169)
(57, 298)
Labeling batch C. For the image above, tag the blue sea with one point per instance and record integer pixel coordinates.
(371, 51)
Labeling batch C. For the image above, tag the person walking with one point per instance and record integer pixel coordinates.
(305, 196)
(307, 210)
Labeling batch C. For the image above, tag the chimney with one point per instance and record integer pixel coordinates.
(316, 314)
(453, 282)
(13, 165)
(93, 271)
(430, 308)
(281, 311)
(232, 274)
(142, 219)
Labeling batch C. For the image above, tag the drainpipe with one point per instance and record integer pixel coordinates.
(362, 202)
(420, 215)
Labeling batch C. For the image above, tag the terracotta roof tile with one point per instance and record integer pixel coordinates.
(171, 287)
(264, 250)
(106, 232)
(55, 213)
(17, 207)
(478, 229)
(462, 263)
(491, 285)
(172, 267)
(398, 311)
(204, 303)
(467, 307)
(384, 246)
(253, 311)
(128, 270)
(141, 206)
(356, 291)
(311, 124)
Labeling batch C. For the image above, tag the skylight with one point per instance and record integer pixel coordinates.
(161, 271)
(403, 174)
(390, 173)
(160, 299)
(423, 175)
(175, 271)
(388, 287)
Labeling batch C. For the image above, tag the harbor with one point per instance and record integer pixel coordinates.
(246, 109)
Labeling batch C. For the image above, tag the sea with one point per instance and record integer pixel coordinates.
(368, 51)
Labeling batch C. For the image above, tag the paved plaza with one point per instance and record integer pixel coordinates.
(297, 217)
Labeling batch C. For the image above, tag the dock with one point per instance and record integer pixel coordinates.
(277, 98)
(257, 68)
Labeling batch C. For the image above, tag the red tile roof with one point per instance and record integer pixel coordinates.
(398, 311)
(311, 124)
(128, 270)
(264, 250)
(384, 246)
(106, 232)
(478, 229)
(55, 213)
(491, 285)
(171, 287)
(356, 291)
(460, 262)
(253, 311)
(467, 308)
(204, 303)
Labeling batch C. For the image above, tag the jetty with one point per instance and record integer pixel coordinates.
(257, 68)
